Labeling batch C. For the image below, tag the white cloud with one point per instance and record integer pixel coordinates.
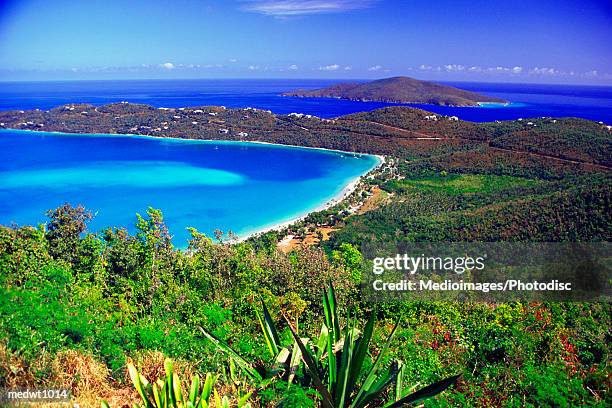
(375, 68)
(292, 67)
(332, 67)
(167, 65)
(454, 67)
(253, 67)
(286, 8)
(544, 71)
(233, 60)
(348, 68)
(496, 70)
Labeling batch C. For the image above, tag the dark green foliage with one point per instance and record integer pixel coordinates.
(452, 208)
(66, 224)
(111, 306)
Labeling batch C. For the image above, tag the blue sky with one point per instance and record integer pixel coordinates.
(498, 41)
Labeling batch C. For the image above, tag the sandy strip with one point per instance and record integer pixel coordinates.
(342, 195)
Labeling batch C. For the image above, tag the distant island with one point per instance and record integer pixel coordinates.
(399, 90)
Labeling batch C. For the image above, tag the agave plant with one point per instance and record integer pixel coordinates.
(334, 362)
(168, 392)
(283, 361)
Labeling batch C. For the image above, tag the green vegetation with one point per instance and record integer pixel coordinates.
(127, 294)
(169, 393)
(76, 308)
(333, 363)
(456, 184)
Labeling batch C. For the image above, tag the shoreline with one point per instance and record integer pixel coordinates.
(346, 191)
(180, 139)
(390, 102)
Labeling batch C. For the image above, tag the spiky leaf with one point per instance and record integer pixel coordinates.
(269, 330)
(248, 368)
(312, 369)
(426, 392)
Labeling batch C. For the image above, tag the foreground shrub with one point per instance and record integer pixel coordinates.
(334, 364)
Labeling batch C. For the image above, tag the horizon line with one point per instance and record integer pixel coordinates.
(297, 79)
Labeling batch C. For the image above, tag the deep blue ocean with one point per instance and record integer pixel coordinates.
(236, 186)
(528, 100)
(239, 186)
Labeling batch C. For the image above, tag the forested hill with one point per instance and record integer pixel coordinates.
(400, 90)
(404, 132)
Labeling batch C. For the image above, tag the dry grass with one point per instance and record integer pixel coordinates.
(89, 380)
(15, 372)
(151, 365)
(378, 198)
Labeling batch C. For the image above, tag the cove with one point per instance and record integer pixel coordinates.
(244, 187)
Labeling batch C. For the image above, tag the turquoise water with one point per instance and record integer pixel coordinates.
(238, 186)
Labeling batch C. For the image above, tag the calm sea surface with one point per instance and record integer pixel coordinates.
(528, 100)
(242, 187)
(235, 186)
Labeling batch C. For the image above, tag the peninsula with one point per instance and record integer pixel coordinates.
(398, 131)
(399, 89)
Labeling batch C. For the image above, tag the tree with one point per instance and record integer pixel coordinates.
(64, 229)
